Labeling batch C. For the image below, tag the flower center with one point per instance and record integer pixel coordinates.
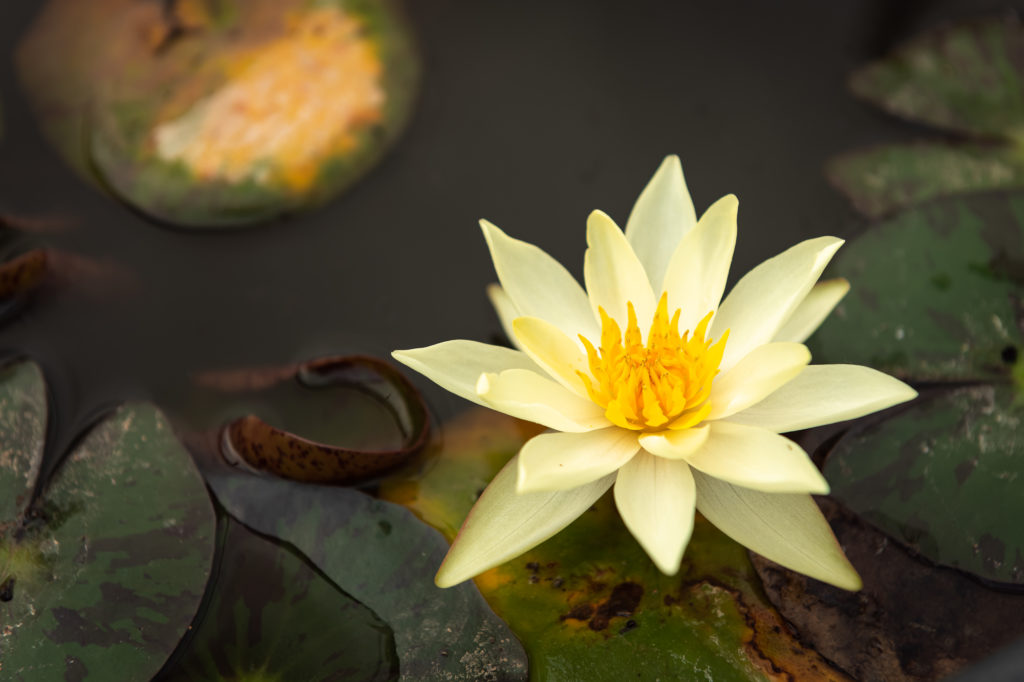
(663, 384)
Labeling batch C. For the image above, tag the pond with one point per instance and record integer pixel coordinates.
(529, 115)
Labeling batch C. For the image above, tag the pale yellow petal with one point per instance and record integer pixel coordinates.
(614, 275)
(551, 349)
(763, 371)
(457, 365)
(559, 461)
(812, 311)
(767, 296)
(655, 497)
(663, 213)
(757, 458)
(675, 444)
(785, 528)
(506, 310)
(503, 524)
(538, 285)
(824, 394)
(699, 268)
(536, 398)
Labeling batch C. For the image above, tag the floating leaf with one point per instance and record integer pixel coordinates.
(937, 298)
(104, 573)
(880, 180)
(911, 621)
(944, 477)
(273, 618)
(168, 102)
(385, 558)
(936, 293)
(967, 78)
(589, 604)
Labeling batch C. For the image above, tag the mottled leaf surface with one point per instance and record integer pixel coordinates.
(385, 558)
(110, 566)
(22, 432)
(965, 78)
(944, 477)
(588, 604)
(936, 293)
(273, 618)
(881, 180)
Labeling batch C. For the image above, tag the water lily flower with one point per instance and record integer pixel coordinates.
(651, 383)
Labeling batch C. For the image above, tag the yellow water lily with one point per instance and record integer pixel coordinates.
(653, 384)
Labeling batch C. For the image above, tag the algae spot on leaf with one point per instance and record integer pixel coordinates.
(273, 617)
(439, 634)
(107, 568)
(588, 603)
(216, 114)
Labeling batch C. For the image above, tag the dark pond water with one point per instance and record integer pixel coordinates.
(531, 114)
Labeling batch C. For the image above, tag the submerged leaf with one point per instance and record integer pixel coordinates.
(104, 573)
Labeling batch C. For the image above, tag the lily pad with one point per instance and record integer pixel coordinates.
(384, 557)
(589, 604)
(271, 617)
(937, 299)
(944, 477)
(910, 623)
(883, 179)
(936, 293)
(967, 78)
(165, 104)
(104, 572)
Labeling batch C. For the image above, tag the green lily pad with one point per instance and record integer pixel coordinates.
(880, 180)
(943, 477)
(385, 558)
(165, 103)
(104, 572)
(937, 298)
(588, 604)
(936, 293)
(273, 618)
(966, 78)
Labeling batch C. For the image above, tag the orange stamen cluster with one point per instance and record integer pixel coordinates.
(663, 384)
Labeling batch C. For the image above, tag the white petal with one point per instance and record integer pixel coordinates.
(655, 497)
(699, 268)
(457, 365)
(614, 275)
(767, 296)
(530, 396)
(787, 529)
(762, 371)
(559, 461)
(675, 444)
(503, 524)
(538, 284)
(663, 213)
(556, 353)
(824, 394)
(506, 309)
(757, 458)
(812, 311)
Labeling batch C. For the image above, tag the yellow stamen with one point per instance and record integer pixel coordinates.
(663, 384)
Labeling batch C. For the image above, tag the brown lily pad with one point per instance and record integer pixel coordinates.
(912, 620)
